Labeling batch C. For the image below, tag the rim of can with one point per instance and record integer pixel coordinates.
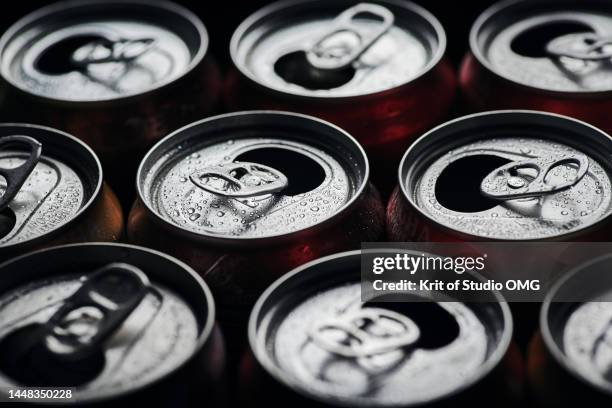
(46, 11)
(545, 327)
(491, 13)
(264, 359)
(403, 166)
(277, 6)
(161, 145)
(95, 193)
(207, 327)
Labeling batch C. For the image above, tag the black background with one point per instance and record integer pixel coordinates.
(222, 17)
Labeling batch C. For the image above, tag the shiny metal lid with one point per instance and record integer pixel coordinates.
(511, 175)
(311, 331)
(337, 48)
(252, 175)
(105, 319)
(576, 322)
(554, 45)
(82, 51)
(48, 179)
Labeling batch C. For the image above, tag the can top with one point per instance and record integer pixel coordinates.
(49, 179)
(84, 51)
(576, 322)
(106, 319)
(251, 176)
(332, 49)
(312, 333)
(510, 175)
(560, 46)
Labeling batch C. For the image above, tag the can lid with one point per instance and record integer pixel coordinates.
(48, 178)
(252, 175)
(106, 319)
(578, 332)
(561, 46)
(320, 48)
(511, 175)
(312, 333)
(83, 51)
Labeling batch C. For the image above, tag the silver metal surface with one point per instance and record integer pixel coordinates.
(311, 332)
(304, 48)
(99, 51)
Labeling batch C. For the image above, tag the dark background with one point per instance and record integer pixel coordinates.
(221, 17)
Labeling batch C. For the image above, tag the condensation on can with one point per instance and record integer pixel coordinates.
(52, 191)
(506, 175)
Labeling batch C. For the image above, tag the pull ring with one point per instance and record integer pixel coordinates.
(15, 177)
(95, 311)
(583, 46)
(334, 58)
(240, 180)
(111, 50)
(358, 341)
(504, 183)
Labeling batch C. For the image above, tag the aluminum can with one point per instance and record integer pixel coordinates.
(548, 55)
(376, 69)
(112, 323)
(505, 175)
(314, 343)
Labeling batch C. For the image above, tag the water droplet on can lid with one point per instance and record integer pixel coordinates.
(262, 179)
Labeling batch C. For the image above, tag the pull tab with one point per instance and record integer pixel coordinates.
(15, 177)
(583, 46)
(240, 179)
(94, 311)
(111, 50)
(359, 340)
(506, 182)
(335, 58)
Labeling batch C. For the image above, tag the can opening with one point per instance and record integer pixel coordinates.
(33, 365)
(57, 59)
(458, 186)
(303, 173)
(437, 326)
(295, 68)
(7, 221)
(533, 42)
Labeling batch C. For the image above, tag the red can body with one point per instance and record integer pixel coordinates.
(484, 90)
